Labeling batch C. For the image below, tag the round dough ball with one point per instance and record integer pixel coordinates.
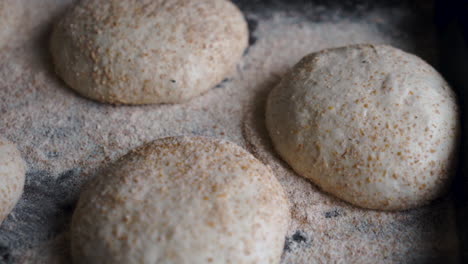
(370, 124)
(12, 177)
(151, 51)
(182, 200)
(10, 14)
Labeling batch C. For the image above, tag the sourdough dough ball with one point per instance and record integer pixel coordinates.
(182, 200)
(371, 124)
(12, 176)
(10, 14)
(150, 51)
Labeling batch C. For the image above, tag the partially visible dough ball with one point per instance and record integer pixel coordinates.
(371, 124)
(12, 177)
(150, 51)
(10, 17)
(182, 200)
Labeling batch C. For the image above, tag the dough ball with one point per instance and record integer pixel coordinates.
(182, 200)
(10, 17)
(370, 124)
(148, 51)
(12, 177)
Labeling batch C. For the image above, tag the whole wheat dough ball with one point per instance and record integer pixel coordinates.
(148, 51)
(370, 124)
(12, 177)
(182, 200)
(10, 17)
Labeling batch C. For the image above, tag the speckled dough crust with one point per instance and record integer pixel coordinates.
(371, 124)
(12, 176)
(10, 11)
(148, 51)
(182, 200)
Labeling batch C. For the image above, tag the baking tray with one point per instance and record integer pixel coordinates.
(66, 139)
(452, 26)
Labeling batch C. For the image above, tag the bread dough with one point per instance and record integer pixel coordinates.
(10, 14)
(12, 177)
(182, 200)
(151, 51)
(371, 124)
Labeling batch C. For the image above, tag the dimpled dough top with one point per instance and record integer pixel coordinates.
(371, 124)
(148, 51)
(10, 11)
(12, 177)
(182, 200)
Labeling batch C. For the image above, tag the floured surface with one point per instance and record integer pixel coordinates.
(65, 138)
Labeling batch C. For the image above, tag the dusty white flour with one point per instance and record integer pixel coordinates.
(65, 138)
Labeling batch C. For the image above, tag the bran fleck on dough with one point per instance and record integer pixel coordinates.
(152, 51)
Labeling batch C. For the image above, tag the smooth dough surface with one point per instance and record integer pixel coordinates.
(148, 51)
(182, 200)
(12, 177)
(370, 124)
(10, 17)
